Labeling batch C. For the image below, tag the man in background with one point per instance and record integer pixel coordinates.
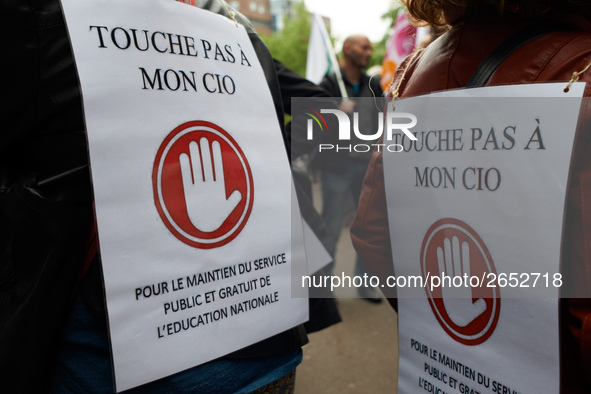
(343, 171)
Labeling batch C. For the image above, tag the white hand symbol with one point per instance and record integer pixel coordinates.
(458, 300)
(204, 186)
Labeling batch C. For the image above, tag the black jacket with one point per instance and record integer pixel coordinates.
(369, 104)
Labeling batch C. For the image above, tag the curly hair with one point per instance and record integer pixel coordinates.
(433, 11)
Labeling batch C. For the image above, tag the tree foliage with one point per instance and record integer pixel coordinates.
(379, 48)
(290, 45)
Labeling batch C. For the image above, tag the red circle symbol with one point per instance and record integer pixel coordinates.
(452, 248)
(203, 185)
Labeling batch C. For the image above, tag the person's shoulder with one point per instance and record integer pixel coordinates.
(375, 84)
(329, 82)
(330, 77)
(576, 47)
(555, 58)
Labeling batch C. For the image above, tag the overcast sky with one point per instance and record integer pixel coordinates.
(351, 17)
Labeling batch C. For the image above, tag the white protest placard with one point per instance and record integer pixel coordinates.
(191, 181)
(476, 209)
(317, 255)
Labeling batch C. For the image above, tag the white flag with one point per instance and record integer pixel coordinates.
(321, 58)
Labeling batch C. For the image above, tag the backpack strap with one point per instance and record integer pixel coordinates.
(507, 47)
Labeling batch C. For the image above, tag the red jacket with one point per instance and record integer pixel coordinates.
(448, 63)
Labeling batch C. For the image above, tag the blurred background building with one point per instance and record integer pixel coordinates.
(258, 12)
(268, 16)
(281, 9)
